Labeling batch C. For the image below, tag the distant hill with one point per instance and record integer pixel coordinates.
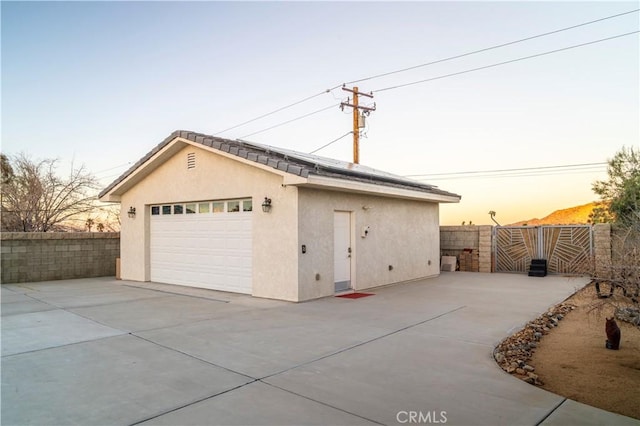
(571, 216)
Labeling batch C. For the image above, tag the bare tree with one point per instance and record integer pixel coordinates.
(36, 199)
(620, 205)
(5, 167)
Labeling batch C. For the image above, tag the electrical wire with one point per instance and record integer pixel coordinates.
(113, 168)
(275, 111)
(332, 142)
(486, 49)
(420, 66)
(510, 170)
(508, 176)
(505, 62)
(513, 173)
(290, 121)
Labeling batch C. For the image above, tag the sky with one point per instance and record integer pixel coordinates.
(102, 83)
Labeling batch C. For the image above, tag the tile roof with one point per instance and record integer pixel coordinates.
(288, 161)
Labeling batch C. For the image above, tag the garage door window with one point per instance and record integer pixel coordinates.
(244, 205)
(218, 206)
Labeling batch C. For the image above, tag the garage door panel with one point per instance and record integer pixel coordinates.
(203, 250)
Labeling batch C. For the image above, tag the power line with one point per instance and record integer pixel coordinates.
(276, 110)
(505, 62)
(510, 170)
(290, 121)
(113, 168)
(486, 49)
(420, 66)
(332, 142)
(513, 173)
(516, 175)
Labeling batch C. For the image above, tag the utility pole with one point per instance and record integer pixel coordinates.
(358, 118)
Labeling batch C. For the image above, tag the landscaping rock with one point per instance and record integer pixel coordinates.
(513, 353)
(630, 315)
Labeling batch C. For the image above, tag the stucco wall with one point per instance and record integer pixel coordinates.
(44, 256)
(403, 234)
(216, 177)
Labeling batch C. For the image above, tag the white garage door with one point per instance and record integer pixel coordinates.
(204, 244)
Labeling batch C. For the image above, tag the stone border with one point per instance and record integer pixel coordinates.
(513, 353)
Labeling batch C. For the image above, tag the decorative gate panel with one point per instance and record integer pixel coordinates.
(568, 249)
(515, 247)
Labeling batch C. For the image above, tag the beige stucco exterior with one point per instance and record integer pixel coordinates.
(402, 234)
(403, 229)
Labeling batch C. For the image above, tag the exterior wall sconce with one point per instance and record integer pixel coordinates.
(132, 212)
(266, 205)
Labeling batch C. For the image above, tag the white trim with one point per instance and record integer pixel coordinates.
(375, 189)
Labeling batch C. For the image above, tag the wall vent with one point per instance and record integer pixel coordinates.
(191, 160)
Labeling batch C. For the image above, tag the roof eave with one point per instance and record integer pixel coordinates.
(334, 184)
(141, 171)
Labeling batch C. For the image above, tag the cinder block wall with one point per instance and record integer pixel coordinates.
(455, 239)
(602, 249)
(44, 256)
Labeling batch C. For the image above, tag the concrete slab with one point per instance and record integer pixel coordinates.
(143, 314)
(58, 285)
(263, 342)
(120, 380)
(258, 404)
(25, 306)
(413, 372)
(79, 296)
(12, 303)
(572, 413)
(40, 330)
(197, 356)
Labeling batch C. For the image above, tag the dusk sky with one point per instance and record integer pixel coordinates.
(101, 83)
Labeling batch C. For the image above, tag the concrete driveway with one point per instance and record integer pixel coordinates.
(101, 351)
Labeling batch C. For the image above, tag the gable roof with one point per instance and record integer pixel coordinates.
(290, 162)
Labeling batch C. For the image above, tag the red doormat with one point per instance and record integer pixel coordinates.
(355, 295)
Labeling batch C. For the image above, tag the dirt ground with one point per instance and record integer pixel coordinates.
(571, 360)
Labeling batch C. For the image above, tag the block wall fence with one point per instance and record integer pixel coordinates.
(44, 256)
(30, 257)
(470, 244)
(478, 240)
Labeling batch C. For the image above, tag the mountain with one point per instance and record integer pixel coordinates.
(571, 216)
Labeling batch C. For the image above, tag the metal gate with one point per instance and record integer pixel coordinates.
(568, 249)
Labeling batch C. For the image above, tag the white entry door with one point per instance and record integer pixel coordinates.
(342, 250)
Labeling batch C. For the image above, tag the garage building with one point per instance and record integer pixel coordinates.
(237, 216)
